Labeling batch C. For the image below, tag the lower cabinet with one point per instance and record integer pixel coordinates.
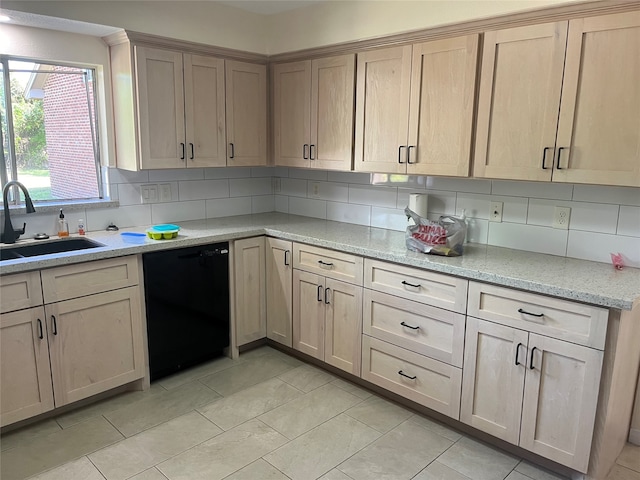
(279, 290)
(250, 292)
(76, 347)
(531, 390)
(327, 320)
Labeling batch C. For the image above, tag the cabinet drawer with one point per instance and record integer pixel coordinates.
(20, 290)
(434, 289)
(62, 283)
(428, 382)
(429, 331)
(562, 319)
(331, 264)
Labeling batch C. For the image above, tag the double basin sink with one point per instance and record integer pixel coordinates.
(47, 248)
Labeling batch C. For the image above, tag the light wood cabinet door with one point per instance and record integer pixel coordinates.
(25, 374)
(308, 313)
(246, 114)
(382, 110)
(20, 290)
(598, 126)
(493, 378)
(443, 80)
(204, 103)
(160, 108)
(279, 290)
(332, 93)
(343, 325)
(519, 101)
(250, 291)
(95, 343)
(560, 399)
(292, 113)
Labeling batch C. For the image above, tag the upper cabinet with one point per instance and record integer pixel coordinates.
(414, 108)
(177, 110)
(560, 102)
(313, 113)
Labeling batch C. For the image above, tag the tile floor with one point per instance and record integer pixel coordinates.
(265, 416)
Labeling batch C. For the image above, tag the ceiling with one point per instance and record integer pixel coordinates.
(268, 7)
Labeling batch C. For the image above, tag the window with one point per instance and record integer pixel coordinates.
(49, 135)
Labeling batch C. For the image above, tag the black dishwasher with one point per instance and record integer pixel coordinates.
(187, 300)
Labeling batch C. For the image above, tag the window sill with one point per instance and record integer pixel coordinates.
(69, 205)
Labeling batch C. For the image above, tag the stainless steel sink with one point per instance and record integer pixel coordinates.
(47, 248)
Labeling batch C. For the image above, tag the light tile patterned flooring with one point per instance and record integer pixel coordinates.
(265, 416)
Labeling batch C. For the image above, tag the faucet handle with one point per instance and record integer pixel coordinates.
(20, 232)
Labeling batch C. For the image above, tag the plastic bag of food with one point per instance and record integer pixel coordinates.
(444, 237)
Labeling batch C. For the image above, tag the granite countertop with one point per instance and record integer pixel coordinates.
(590, 282)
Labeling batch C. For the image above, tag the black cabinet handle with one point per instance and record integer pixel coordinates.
(286, 263)
(400, 372)
(192, 152)
(233, 151)
(531, 360)
(410, 284)
(400, 153)
(182, 146)
(319, 297)
(54, 325)
(311, 147)
(305, 155)
(409, 154)
(40, 334)
(409, 326)
(532, 314)
(558, 167)
(325, 264)
(544, 157)
(326, 296)
(518, 351)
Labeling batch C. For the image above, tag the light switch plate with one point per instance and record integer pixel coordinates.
(165, 192)
(495, 215)
(561, 217)
(149, 193)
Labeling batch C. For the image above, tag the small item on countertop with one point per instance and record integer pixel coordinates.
(133, 237)
(81, 227)
(163, 231)
(444, 237)
(617, 261)
(112, 227)
(40, 236)
(63, 226)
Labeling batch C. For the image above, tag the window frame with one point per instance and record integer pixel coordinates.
(94, 117)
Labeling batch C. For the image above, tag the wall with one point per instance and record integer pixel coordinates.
(70, 48)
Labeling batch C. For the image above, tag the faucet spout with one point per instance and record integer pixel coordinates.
(10, 235)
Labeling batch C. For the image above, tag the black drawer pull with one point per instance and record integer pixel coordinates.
(192, 152)
(531, 361)
(410, 284)
(400, 153)
(311, 147)
(40, 334)
(558, 167)
(287, 263)
(518, 351)
(400, 372)
(325, 264)
(319, 297)
(54, 324)
(409, 326)
(233, 151)
(409, 154)
(532, 314)
(182, 155)
(305, 155)
(544, 157)
(326, 295)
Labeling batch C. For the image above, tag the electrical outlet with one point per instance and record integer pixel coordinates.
(165, 192)
(561, 217)
(149, 193)
(495, 215)
(315, 189)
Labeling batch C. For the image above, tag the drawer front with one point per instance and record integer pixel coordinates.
(20, 290)
(430, 331)
(552, 317)
(428, 382)
(329, 263)
(63, 283)
(434, 289)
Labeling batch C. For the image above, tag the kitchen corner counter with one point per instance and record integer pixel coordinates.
(589, 282)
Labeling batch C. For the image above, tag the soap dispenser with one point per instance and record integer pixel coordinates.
(63, 226)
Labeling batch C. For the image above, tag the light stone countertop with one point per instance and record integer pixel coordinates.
(581, 280)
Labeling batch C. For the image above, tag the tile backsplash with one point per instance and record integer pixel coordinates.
(602, 220)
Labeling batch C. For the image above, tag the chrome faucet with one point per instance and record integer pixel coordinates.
(10, 235)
